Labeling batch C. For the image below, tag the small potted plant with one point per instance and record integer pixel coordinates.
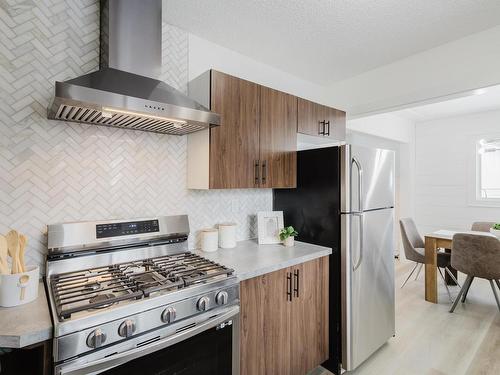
(287, 236)
(495, 230)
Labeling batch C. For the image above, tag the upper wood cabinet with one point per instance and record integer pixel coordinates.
(278, 139)
(284, 320)
(319, 120)
(255, 144)
(234, 145)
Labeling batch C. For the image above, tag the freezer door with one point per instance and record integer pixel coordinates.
(367, 271)
(367, 178)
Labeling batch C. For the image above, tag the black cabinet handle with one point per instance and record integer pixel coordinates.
(296, 283)
(289, 286)
(322, 128)
(257, 172)
(327, 124)
(264, 172)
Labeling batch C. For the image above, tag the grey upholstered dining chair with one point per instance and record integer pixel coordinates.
(414, 248)
(482, 226)
(478, 226)
(476, 256)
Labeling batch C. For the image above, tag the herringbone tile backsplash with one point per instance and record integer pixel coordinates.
(52, 171)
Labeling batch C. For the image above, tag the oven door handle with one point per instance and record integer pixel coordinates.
(104, 364)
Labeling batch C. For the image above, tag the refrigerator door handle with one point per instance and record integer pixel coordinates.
(361, 242)
(359, 213)
(360, 183)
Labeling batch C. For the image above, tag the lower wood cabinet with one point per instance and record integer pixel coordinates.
(284, 320)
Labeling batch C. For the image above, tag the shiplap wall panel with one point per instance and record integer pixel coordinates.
(52, 171)
(444, 170)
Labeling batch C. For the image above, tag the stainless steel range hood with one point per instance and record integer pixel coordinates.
(125, 92)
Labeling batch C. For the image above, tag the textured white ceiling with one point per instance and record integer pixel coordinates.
(481, 100)
(328, 40)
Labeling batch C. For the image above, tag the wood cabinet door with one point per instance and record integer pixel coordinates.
(336, 123)
(234, 145)
(265, 325)
(309, 318)
(278, 139)
(309, 117)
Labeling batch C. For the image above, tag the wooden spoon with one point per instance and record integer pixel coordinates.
(23, 241)
(4, 266)
(23, 283)
(13, 247)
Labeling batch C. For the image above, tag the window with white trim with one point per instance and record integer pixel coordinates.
(488, 170)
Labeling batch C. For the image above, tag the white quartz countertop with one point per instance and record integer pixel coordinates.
(27, 324)
(249, 259)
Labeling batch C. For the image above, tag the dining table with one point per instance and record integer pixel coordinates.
(440, 239)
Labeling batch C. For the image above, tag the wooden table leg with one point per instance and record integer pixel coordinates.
(430, 269)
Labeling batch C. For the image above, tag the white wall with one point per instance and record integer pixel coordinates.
(205, 55)
(465, 64)
(386, 126)
(444, 164)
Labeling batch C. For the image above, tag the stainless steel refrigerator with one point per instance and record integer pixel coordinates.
(345, 200)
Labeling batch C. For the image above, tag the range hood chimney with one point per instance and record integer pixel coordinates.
(126, 92)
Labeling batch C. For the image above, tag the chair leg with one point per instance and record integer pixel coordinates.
(466, 291)
(495, 294)
(452, 276)
(498, 284)
(411, 273)
(466, 285)
(445, 285)
(420, 266)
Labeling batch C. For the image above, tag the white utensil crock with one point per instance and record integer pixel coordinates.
(227, 235)
(19, 288)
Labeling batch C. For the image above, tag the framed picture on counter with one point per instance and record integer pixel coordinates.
(269, 224)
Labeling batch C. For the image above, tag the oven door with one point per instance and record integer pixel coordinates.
(211, 347)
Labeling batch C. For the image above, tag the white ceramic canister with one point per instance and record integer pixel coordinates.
(227, 235)
(19, 288)
(209, 240)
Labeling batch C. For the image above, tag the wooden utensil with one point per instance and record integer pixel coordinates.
(13, 248)
(4, 266)
(23, 241)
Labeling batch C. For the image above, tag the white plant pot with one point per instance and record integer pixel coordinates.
(495, 232)
(289, 242)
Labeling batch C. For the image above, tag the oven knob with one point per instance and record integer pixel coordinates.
(203, 303)
(168, 315)
(96, 339)
(222, 298)
(127, 328)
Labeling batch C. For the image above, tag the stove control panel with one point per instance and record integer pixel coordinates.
(126, 229)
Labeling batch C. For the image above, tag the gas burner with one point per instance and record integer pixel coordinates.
(100, 300)
(92, 286)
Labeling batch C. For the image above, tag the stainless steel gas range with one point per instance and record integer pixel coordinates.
(128, 297)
